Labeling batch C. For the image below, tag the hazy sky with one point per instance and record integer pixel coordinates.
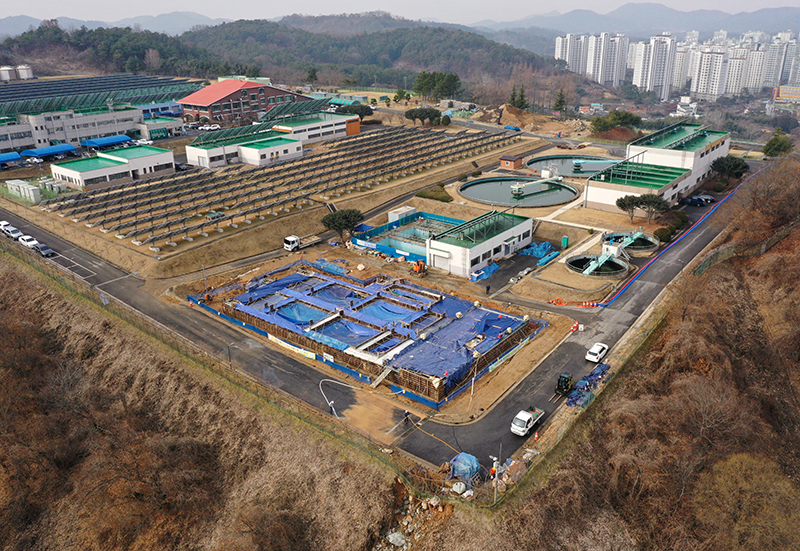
(464, 11)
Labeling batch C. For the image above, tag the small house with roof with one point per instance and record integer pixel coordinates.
(511, 162)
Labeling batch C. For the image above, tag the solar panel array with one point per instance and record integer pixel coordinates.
(72, 86)
(166, 208)
(79, 93)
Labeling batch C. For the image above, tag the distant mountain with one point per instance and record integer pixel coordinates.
(174, 23)
(647, 19)
(534, 39)
(16, 24)
(177, 22)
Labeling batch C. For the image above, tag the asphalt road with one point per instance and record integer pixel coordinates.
(480, 438)
(485, 436)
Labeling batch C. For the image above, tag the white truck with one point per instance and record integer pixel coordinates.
(525, 420)
(294, 243)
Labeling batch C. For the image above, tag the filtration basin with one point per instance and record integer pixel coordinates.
(518, 191)
(609, 267)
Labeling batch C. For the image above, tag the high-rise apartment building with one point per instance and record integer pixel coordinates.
(654, 63)
(711, 77)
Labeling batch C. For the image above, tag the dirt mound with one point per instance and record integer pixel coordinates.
(619, 134)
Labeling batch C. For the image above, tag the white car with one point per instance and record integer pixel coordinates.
(12, 232)
(28, 241)
(144, 142)
(597, 352)
(213, 127)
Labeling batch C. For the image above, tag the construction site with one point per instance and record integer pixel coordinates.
(423, 343)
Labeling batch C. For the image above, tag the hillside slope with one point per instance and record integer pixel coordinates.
(108, 441)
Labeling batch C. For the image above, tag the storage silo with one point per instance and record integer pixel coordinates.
(24, 72)
(7, 73)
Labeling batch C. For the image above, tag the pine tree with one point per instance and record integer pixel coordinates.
(513, 99)
(561, 101)
(522, 101)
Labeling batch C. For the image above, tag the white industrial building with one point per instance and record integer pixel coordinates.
(672, 162)
(114, 167)
(456, 246)
(284, 140)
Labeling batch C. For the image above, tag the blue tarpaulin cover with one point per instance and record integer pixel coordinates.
(270, 288)
(537, 250)
(485, 273)
(107, 141)
(301, 314)
(51, 150)
(362, 227)
(464, 466)
(348, 332)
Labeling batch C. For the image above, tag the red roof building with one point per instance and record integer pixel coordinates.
(236, 100)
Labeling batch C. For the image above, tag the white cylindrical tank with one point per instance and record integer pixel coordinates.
(7, 73)
(24, 72)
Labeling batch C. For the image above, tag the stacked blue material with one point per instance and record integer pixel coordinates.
(586, 384)
(537, 250)
(547, 258)
(485, 273)
(464, 466)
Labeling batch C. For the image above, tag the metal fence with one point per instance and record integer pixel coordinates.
(724, 252)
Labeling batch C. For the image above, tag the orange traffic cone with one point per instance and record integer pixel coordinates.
(536, 436)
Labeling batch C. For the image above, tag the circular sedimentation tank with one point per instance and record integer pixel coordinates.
(643, 243)
(530, 192)
(612, 268)
(563, 164)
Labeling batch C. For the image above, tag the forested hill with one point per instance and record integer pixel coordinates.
(365, 58)
(114, 50)
(388, 58)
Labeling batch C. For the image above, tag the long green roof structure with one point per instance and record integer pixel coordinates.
(640, 175)
(680, 136)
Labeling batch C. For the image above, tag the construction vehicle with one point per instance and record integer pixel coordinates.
(419, 268)
(563, 386)
(294, 243)
(525, 420)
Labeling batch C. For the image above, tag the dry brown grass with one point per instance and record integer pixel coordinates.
(149, 453)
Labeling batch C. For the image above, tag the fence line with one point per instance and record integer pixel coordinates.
(724, 252)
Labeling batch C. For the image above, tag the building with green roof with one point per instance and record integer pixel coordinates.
(683, 145)
(672, 162)
(116, 166)
(457, 246)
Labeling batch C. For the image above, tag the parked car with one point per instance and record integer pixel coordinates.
(180, 167)
(692, 201)
(44, 250)
(597, 352)
(213, 127)
(29, 241)
(12, 232)
(192, 125)
(204, 127)
(707, 198)
(144, 142)
(3, 224)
